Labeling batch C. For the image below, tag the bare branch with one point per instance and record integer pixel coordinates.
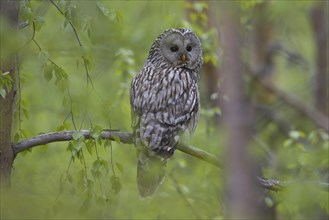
(123, 137)
(47, 138)
(200, 154)
(273, 185)
(126, 138)
(310, 112)
(276, 185)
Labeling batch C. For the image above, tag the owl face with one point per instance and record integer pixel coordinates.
(181, 49)
(177, 48)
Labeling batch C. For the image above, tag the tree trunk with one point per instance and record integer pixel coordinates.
(319, 22)
(9, 13)
(241, 188)
(261, 64)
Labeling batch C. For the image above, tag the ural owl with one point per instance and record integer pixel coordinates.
(164, 98)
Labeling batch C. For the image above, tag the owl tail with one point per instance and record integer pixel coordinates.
(150, 173)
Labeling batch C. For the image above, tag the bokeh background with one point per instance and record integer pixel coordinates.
(59, 90)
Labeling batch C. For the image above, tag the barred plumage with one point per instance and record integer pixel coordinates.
(164, 100)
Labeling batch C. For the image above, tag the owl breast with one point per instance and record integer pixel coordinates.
(165, 103)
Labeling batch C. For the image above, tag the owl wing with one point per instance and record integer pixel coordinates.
(135, 102)
(171, 95)
(195, 112)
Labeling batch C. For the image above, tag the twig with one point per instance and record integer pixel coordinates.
(80, 44)
(273, 185)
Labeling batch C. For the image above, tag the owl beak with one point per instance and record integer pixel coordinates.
(183, 58)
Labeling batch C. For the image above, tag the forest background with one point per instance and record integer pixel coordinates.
(67, 66)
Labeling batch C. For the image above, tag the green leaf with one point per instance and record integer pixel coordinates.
(39, 22)
(43, 57)
(103, 9)
(105, 165)
(287, 143)
(3, 93)
(8, 82)
(96, 164)
(17, 137)
(94, 133)
(23, 133)
(89, 33)
(77, 146)
(106, 143)
(60, 71)
(5, 83)
(114, 16)
(199, 6)
(69, 147)
(61, 85)
(119, 16)
(90, 184)
(48, 72)
(58, 76)
(269, 201)
(119, 166)
(90, 146)
(116, 183)
(313, 137)
(26, 113)
(116, 139)
(60, 128)
(304, 159)
(77, 135)
(24, 103)
(95, 173)
(69, 178)
(296, 134)
(66, 22)
(67, 125)
(26, 11)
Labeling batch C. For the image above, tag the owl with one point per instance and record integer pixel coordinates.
(164, 98)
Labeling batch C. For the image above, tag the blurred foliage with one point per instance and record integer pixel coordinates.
(76, 63)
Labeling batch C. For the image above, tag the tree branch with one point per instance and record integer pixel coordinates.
(47, 138)
(126, 138)
(123, 137)
(310, 112)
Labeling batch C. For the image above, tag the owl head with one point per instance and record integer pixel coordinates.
(177, 48)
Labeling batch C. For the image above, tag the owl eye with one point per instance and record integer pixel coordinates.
(174, 48)
(189, 48)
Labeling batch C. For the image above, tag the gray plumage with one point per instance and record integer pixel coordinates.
(164, 100)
